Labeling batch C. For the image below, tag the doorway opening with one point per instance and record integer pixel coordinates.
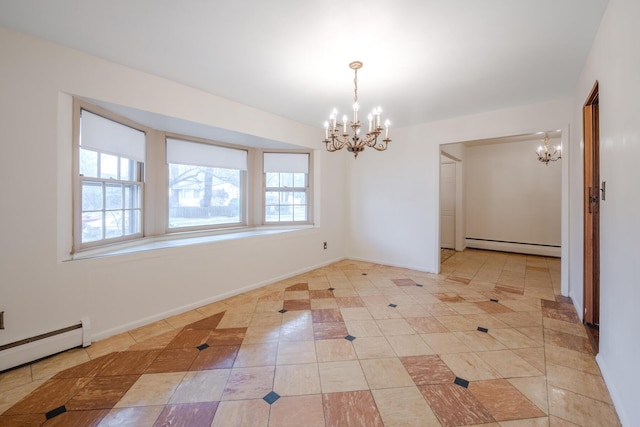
(591, 290)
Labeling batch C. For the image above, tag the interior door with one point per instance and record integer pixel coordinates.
(591, 209)
(448, 204)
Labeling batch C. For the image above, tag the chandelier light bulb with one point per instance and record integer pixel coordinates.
(355, 143)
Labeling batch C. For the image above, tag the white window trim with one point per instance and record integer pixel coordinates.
(155, 180)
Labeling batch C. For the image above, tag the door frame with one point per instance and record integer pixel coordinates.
(591, 208)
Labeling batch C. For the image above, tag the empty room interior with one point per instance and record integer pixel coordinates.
(414, 213)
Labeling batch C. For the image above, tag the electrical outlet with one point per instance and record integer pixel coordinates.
(324, 245)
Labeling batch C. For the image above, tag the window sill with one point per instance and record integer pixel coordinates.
(182, 239)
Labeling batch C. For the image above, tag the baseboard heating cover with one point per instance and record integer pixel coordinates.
(515, 247)
(34, 348)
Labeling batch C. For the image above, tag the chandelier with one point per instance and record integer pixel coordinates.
(337, 135)
(548, 154)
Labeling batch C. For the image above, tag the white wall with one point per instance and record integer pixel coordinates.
(511, 196)
(394, 206)
(615, 62)
(39, 292)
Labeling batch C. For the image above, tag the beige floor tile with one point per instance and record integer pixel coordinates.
(11, 397)
(118, 342)
(404, 407)
(409, 345)
(534, 389)
(579, 382)
(373, 348)
(390, 327)
(457, 323)
(263, 354)
(261, 334)
(296, 352)
(156, 328)
(249, 383)
(442, 343)
(289, 411)
(469, 366)
(334, 350)
(235, 320)
(379, 312)
(15, 378)
(323, 303)
(273, 320)
(479, 341)
(295, 380)
(355, 313)
(386, 373)
(50, 366)
(201, 386)
(363, 328)
(572, 359)
(508, 364)
(342, 376)
(580, 409)
(254, 413)
(181, 320)
(151, 389)
(529, 422)
(511, 338)
(567, 327)
(533, 356)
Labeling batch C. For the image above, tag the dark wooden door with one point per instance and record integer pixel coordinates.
(591, 209)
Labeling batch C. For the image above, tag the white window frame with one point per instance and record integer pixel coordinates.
(205, 147)
(307, 189)
(78, 179)
(153, 178)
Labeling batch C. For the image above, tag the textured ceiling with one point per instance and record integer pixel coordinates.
(424, 60)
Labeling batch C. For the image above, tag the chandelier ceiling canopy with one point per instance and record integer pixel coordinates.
(347, 134)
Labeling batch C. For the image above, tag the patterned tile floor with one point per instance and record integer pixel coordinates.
(487, 342)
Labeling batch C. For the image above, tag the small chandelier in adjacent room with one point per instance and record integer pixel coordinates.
(548, 153)
(338, 135)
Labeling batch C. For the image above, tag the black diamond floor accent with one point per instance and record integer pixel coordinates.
(393, 305)
(349, 338)
(55, 412)
(461, 382)
(364, 274)
(481, 329)
(418, 284)
(493, 300)
(283, 311)
(202, 346)
(271, 397)
(332, 289)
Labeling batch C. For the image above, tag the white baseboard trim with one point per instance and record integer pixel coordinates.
(520, 248)
(420, 268)
(179, 310)
(615, 396)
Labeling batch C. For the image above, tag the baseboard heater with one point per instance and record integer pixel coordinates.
(516, 247)
(43, 345)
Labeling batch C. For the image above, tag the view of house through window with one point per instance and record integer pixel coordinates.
(205, 184)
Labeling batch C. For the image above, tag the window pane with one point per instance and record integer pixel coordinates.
(273, 179)
(132, 223)
(127, 169)
(88, 163)
(299, 180)
(299, 213)
(132, 196)
(108, 166)
(272, 213)
(300, 198)
(114, 196)
(286, 180)
(113, 224)
(200, 196)
(91, 196)
(286, 213)
(91, 226)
